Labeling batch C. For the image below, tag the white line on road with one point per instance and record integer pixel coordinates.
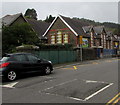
(76, 99)
(10, 85)
(58, 85)
(98, 92)
(92, 81)
(87, 98)
(87, 81)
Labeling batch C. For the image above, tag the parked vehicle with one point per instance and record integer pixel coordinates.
(12, 65)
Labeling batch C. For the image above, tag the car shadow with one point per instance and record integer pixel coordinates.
(26, 76)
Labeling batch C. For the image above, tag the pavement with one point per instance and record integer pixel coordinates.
(94, 81)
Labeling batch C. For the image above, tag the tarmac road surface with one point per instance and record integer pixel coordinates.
(92, 82)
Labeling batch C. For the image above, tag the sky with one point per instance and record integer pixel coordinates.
(99, 11)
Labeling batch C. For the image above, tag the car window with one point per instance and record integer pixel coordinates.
(4, 59)
(19, 58)
(32, 58)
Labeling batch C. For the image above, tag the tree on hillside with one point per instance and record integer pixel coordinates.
(87, 21)
(116, 31)
(31, 13)
(49, 19)
(17, 35)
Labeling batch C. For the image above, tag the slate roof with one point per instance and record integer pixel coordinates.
(76, 25)
(39, 27)
(115, 39)
(9, 19)
(109, 35)
(87, 29)
(98, 29)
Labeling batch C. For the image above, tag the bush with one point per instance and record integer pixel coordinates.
(25, 48)
(55, 46)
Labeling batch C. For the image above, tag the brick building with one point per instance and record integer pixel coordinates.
(66, 30)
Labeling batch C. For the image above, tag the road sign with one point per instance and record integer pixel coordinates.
(81, 40)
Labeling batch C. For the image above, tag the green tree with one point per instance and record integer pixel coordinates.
(116, 31)
(17, 35)
(31, 13)
(49, 19)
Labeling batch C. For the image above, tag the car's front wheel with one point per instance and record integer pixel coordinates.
(11, 75)
(47, 70)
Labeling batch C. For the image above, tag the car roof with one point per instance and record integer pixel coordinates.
(11, 54)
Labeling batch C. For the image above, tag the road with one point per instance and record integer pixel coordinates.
(89, 82)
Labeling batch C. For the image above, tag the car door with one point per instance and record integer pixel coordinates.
(20, 63)
(34, 62)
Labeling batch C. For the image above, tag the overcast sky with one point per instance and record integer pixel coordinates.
(98, 11)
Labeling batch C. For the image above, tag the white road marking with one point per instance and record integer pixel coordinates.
(90, 81)
(76, 99)
(87, 98)
(87, 81)
(98, 92)
(10, 85)
(58, 85)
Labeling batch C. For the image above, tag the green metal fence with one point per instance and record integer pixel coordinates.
(57, 56)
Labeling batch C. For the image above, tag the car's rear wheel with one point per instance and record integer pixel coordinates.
(11, 75)
(47, 70)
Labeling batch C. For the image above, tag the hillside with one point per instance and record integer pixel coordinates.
(108, 25)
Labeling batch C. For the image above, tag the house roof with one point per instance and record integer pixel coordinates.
(98, 29)
(9, 19)
(76, 26)
(39, 26)
(114, 38)
(87, 29)
(111, 35)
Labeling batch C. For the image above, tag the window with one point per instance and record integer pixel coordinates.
(19, 58)
(65, 38)
(52, 39)
(32, 58)
(4, 59)
(59, 37)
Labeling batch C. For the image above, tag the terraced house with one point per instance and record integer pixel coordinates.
(66, 30)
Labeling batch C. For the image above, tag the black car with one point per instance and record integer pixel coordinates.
(12, 65)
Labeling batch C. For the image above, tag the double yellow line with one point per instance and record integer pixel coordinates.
(114, 100)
